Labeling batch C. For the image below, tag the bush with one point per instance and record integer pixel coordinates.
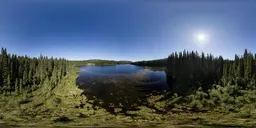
(62, 119)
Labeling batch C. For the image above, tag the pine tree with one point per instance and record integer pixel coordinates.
(30, 76)
(16, 86)
(246, 66)
(9, 84)
(25, 78)
(1, 68)
(5, 67)
(21, 86)
(20, 72)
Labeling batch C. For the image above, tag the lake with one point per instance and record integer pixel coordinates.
(125, 85)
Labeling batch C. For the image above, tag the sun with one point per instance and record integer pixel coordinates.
(201, 39)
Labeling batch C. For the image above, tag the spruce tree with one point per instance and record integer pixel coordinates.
(21, 86)
(5, 67)
(16, 86)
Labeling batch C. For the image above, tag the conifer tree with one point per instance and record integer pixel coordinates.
(16, 86)
(5, 67)
(21, 72)
(20, 86)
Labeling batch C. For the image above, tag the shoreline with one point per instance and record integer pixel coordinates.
(67, 107)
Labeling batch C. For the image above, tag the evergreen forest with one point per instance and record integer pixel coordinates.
(205, 91)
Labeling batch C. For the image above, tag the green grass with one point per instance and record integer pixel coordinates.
(65, 107)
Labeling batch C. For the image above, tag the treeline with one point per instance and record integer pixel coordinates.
(159, 62)
(241, 71)
(123, 62)
(189, 70)
(100, 62)
(18, 73)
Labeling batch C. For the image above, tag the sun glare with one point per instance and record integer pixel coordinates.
(201, 39)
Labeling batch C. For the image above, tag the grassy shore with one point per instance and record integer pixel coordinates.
(63, 106)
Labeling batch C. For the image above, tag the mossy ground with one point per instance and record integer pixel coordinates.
(63, 106)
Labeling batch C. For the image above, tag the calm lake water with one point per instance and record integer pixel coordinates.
(125, 85)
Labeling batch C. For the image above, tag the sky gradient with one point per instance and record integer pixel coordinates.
(124, 29)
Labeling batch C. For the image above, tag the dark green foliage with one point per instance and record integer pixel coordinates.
(228, 98)
(21, 72)
(63, 119)
(5, 68)
(160, 62)
(214, 83)
(99, 62)
(123, 62)
(211, 83)
(189, 70)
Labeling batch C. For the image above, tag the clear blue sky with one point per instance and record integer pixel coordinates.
(125, 29)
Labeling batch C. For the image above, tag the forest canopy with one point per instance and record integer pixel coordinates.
(22, 72)
(198, 83)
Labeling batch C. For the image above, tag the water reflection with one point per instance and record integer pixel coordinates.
(125, 86)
